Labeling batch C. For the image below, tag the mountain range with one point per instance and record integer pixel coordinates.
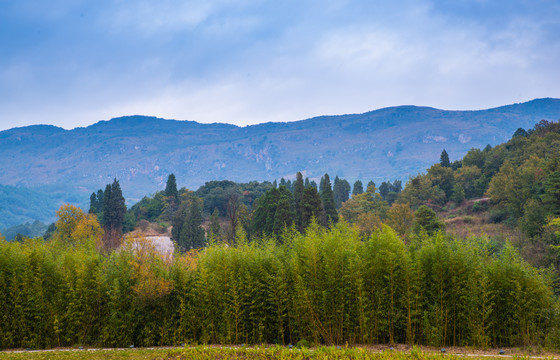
(44, 166)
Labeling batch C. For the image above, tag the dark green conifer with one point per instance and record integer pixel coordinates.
(178, 221)
(192, 233)
(341, 191)
(114, 210)
(298, 196)
(327, 197)
(93, 204)
(312, 207)
(171, 187)
(358, 188)
(444, 159)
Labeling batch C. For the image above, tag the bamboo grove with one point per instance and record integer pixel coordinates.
(325, 286)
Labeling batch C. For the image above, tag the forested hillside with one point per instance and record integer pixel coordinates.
(296, 261)
(390, 143)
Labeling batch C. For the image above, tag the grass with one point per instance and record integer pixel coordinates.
(112, 354)
(238, 353)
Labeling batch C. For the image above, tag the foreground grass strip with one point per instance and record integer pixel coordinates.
(320, 353)
(93, 354)
(242, 353)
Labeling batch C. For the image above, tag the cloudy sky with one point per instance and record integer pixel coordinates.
(72, 63)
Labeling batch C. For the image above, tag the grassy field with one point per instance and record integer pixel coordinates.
(268, 353)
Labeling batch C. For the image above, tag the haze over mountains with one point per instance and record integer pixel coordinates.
(43, 166)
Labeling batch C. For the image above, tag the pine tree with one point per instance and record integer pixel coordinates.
(274, 210)
(312, 207)
(384, 189)
(178, 221)
(192, 232)
(114, 210)
(107, 204)
(284, 215)
(327, 197)
(171, 187)
(99, 203)
(358, 188)
(118, 205)
(370, 186)
(298, 196)
(444, 159)
(341, 191)
(93, 204)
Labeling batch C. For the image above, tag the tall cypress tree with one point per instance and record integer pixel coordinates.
(107, 204)
(118, 205)
(93, 206)
(284, 215)
(171, 186)
(341, 191)
(312, 207)
(358, 188)
(192, 232)
(114, 210)
(178, 221)
(327, 197)
(298, 196)
(444, 159)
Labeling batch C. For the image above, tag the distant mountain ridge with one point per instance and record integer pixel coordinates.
(385, 144)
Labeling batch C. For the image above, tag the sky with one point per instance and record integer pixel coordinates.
(71, 63)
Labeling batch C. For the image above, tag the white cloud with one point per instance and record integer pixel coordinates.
(253, 61)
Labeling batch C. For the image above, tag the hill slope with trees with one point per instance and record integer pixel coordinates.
(390, 143)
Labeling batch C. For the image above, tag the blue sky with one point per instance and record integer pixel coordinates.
(72, 63)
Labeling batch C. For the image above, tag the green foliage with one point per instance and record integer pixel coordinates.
(215, 228)
(365, 203)
(341, 191)
(312, 207)
(29, 230)
(323, 286)
(274, 211)
(458, 194)
(521, 178)
(192, 235)
(426, 219)
(551, 196)
(358, 188)
(299, 187)
(444, 159)
(171, 187)
(215, 194)
(114, 207)
(327, 198)
(20, 205)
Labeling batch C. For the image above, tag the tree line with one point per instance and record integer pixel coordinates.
(322, 286)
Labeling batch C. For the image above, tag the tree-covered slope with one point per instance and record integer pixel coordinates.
(141, 151)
